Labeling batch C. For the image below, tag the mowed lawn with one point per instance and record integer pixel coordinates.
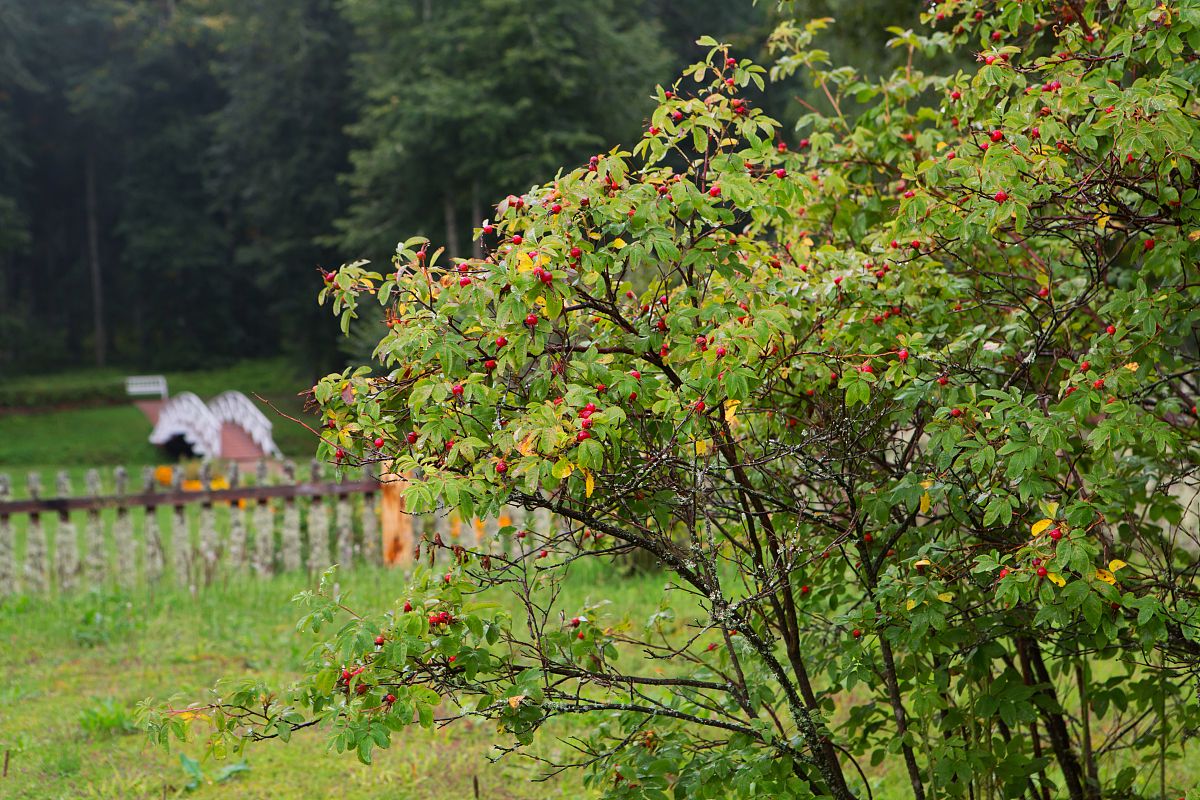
(108, 435)
(76, 669)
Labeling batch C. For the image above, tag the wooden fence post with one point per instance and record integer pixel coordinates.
(318, 525)
(123, 532)
(8, 554)
(237, 523)
(35, 542)
(66, 539)
(95, 557)
(153, 563)
(397, 545)
(290, 538)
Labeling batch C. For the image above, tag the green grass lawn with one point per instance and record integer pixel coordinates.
(76, 669)
(108, 435)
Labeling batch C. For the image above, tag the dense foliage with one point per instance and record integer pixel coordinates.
(902, 404)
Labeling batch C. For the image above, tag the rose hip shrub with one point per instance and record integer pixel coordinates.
(902, 405)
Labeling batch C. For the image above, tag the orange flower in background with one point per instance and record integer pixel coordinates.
(192, 485)
(164, 474)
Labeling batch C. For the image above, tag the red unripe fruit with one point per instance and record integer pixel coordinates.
(582, 436)
(1044, 291)
(699, 406)
(856, 633)
(585, 423)
(389, 699)
(411, 437)
(1000, 196)
(489, 229)
(340, 454)
(554, 209)
(457, 390)
(997, 136)
(629, 293)
(956, 95)
(668, 94)
(1004, 572)
(895, 244)
(868, 538)
(729, 81)
(996, 36)
(464, 281)
(517, 239)
(1035, 133)
(378, 442)
(576, 252)
(956, 412)
(714, 191)
(942, 380)
(501, 341)
(1110, 330)
(1098, 383)
(910, 194)
(1084, 365)
(502, 466)
(731, 62)
(1070, 391)
(914, 244)
(575, 622)
(379, 639)
(1042, 572)
(531, 320)
(580, 635)
(543, 554)
(446, 579)
(781, 173)
(636, 375)
(452, 659)
(1148, 244)
(990, 60)
(902, 355)
(590, 408)
(837, 281)
(805, 589)
(677, 116)
(362, 688)
(522, 534)
(632, 396)
(720, 352)
(347, 675)
(407, 606)
(712, 646)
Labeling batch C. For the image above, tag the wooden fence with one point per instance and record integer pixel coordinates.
(195, 532)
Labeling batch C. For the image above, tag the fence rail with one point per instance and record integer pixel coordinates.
(198, 530)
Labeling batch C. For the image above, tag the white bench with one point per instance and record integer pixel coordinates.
(146, 385)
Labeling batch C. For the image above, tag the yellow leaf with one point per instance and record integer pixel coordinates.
(1193, 236)
(524, 262)
(1116, 565)
(910, 605)
(1056, 579)
(924, 562)
(1040, 526)
(1102, 221)
(1051, 508)
(513, 702)
(925, 503)
(617, 243)
(926, 484)
(731, 408)
(945, 597)
(701, 447)
(589, 481)
(528, 445)
(941, 146)
(1106, 576)
(1132, 366)
(594, 235)
(540, 301)
(562, 469)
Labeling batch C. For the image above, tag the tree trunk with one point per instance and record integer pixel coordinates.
(448, 212)
(476, 217)
(99, 331)
(1056, 727)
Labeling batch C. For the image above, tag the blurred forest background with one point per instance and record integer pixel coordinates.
(174, 172)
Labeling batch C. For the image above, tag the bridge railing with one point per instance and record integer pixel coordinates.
(194, 532)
